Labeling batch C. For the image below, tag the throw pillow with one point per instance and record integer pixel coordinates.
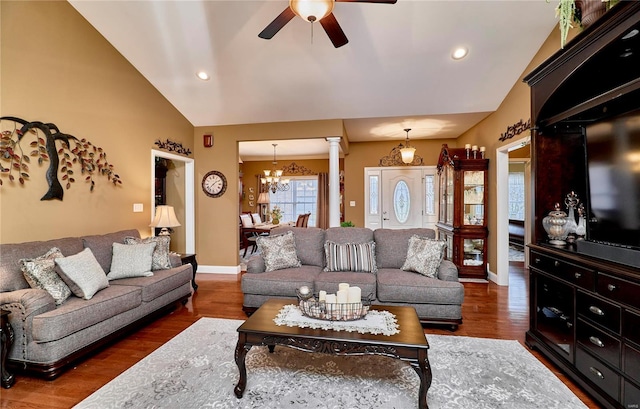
(278, 251)
(131, 260)
(161, 259)
(40, 272)
(424, 255)
(350, 256)
(82, 273)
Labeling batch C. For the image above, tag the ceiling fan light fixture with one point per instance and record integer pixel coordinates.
(312, 10)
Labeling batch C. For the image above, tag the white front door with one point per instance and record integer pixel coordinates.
(400, 197)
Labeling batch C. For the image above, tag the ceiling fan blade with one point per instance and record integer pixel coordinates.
(368, 1)
(334, 31)
(277, 24)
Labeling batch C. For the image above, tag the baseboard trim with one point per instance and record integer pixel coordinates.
(219, 269)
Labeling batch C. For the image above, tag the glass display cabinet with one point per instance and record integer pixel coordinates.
(462, 219)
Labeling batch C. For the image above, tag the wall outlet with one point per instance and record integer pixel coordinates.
(352, 203)
(138, 207)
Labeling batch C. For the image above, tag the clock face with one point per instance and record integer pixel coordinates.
(214, 184)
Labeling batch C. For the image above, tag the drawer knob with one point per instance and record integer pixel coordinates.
(596, 341)
(611, 287)
(596, 310)
(556, 263)
(596, 372)
(536, 260)
(577, 275)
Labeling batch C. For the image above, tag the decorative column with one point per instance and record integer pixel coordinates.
(334, 181)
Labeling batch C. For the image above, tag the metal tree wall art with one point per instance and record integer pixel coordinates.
(62, 157)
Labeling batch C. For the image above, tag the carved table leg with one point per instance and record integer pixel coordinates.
(423, 369)
(241, 353)
(6, 338)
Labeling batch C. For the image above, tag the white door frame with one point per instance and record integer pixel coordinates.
(501, 277)
(189, 195)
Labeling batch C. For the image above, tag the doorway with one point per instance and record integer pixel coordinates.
(400, 197)
(185, 170)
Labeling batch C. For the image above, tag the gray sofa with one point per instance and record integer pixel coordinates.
(48, 338)
(436, 300)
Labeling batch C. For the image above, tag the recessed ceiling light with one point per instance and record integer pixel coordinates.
(203, 75)
(459, 53)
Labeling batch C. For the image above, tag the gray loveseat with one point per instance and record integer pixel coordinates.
(48, 337)
(436, 300)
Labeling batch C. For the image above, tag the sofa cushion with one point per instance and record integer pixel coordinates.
(77, 314)
(40, 272)
(161, 254)
(131, 260)
(350, 256)
(82, 273)
(309, 244)
(280, 283)
(278, 251)
(392, 245)
(328, 281)
(349, 235)
(162, 281)
(424, 256)
(11, 277)
(101, 247)
(395, 285)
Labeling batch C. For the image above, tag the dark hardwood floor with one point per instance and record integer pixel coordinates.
(489, 311)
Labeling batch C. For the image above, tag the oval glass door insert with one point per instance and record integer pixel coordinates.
(401, 201)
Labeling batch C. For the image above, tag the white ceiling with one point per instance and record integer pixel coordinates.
(395, 72)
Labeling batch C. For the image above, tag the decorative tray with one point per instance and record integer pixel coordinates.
(322, 310)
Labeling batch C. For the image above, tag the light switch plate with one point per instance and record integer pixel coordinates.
(352, 203)
(138, 207)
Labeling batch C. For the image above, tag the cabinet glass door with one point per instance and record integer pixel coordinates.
(473, 200)
(473, 252)
(449, 194)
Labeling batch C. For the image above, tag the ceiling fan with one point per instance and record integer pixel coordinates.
(315, 10)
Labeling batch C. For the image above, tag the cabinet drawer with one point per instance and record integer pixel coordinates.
(631, 362)
(599, 311)
(631, 396)
(598, 373)
(602, 345)
(631, 326)
(577, 275)
(619, 290)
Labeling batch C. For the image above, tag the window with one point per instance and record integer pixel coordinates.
(302, 197)
(516, 195)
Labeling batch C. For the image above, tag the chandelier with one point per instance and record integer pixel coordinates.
(273, 179)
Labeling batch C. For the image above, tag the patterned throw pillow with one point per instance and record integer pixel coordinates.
(40, 272)
(350, 256)
(279, 251)
(82, 273)
(131, 260)
(424, 255)
(161, 258)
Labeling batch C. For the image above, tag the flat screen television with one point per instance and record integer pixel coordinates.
(613, 164)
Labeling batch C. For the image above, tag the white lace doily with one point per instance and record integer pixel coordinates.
(375, 322)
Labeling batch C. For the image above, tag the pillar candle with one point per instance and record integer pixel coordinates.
(354, 295)
(482, 148)
(322, 295)
(343, 286)
(343, 296)
(474, 148)
(467, 146)
(331, 299)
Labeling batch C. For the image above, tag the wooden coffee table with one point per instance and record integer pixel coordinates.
(409, 345)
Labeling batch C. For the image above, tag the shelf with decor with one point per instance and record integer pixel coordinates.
(462, 221)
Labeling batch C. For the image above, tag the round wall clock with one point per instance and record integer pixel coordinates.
(214, 184)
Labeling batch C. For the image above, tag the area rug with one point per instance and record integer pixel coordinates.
(196, 369)
(515, 254)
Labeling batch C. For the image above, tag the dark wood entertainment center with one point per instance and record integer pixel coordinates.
(584, 309)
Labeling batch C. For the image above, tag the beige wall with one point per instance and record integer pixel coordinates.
(57, 68)
(515, 106)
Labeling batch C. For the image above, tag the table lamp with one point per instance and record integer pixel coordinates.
(165, 218)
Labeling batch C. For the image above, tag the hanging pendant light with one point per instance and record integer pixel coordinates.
(407, 151)
(273, 179)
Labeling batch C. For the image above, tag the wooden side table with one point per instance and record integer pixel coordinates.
(191, 259)
(6, 337)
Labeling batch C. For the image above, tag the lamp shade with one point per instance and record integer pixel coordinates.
(407, 154)
(263, 198)
(311, 10)
(165, 217)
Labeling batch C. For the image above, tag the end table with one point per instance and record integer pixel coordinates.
(6, 337)
(191, 259)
